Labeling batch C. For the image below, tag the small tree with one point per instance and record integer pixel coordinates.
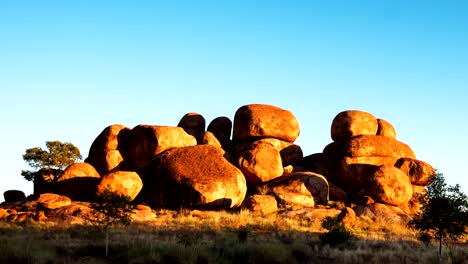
(444, 211)
(111, 209)
(337, 232)
(58, 156)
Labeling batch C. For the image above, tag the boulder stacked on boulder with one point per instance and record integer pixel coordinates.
(366, 159)
(259, 169)
(263, 141)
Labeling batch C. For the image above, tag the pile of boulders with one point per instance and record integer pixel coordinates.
(258, 169)
(376, 171)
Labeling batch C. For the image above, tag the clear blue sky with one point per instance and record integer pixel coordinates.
(70, 68)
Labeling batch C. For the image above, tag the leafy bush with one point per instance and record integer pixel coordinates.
(337, 233)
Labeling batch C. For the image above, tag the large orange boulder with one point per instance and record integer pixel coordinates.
(305, 189)
(263, 121)
(53, 201)
(221, 128)
(80, 169)
(260, 162)
(385, 129)
(147, 141)
(78, 182)
(390, 185)
(419, 172)
(369, 146)
(194, 177)
(348, 124)
(126, 183)
(193, 124)
(109, 149)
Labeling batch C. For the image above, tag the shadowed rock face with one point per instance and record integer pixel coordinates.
(14, 196)
(348, 124)
(264, 121)
(109, 149)
(194, 177)
(193, 124)
(221, 128)
(386, 129)
(78, 182)
(419, 172)
(305, 189)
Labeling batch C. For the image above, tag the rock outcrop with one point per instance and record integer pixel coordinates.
(187, 167)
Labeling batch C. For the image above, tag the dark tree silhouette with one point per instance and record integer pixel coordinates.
(444, 212)
(111, 209)
(58, 156)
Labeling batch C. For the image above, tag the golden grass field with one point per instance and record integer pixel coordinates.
(219, 237)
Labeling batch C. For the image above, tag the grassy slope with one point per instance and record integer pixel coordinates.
(217, 237)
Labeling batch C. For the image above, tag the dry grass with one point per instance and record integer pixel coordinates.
(218, 237)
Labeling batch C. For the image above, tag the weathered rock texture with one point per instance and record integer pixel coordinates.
(348, 124)
(126, 183)
(260, 162)
(194, 177)
(369, 146)
(53, 201)
(264, 121)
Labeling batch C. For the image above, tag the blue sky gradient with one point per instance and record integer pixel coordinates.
(68, 69)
